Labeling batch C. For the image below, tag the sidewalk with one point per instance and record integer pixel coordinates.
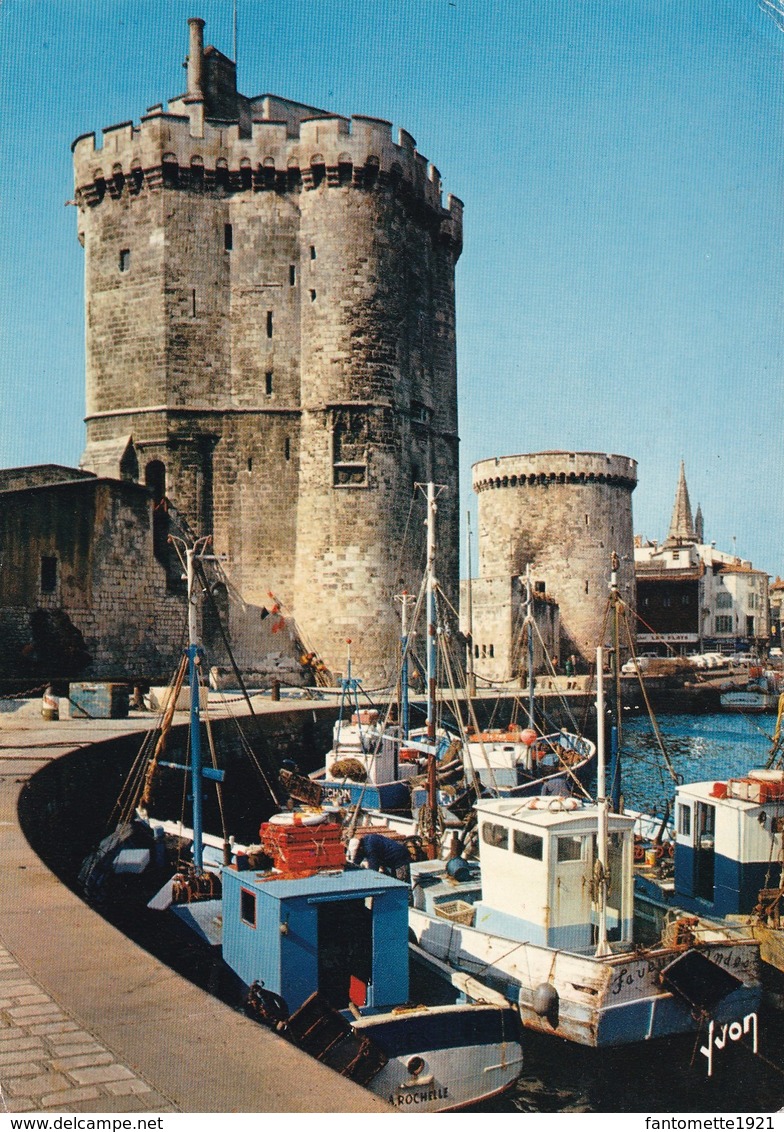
(89, 1022)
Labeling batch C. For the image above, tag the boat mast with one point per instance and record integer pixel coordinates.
(529, 629)
(602, 945)
(406, 601)
(615, 740)
(529, 622)
(470, 614)
(194, 664)
(431, 613)
(431, 584)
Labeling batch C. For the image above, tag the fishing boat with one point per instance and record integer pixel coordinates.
(331, 948)
(546, 916)
(761, 694)
(718, 853)
(367, 763)
(724, 859)
(317, 949)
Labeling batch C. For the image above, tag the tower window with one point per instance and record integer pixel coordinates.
(312, 252)
(170, 170)
(586, 585)
(125, 259)
(222, 175)
(269, 324)
(197, 173)
(228, 237)
(312, 296)
(48, 574)
(193, 303)
(292, 275)
(268, 381)
(250, 463)
(350, 437)
(287, 448)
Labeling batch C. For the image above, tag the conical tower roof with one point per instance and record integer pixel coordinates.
(681, 524)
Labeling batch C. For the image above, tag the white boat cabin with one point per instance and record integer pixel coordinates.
(381, 755)
(728, 842)
(539, 870)
(503, 760)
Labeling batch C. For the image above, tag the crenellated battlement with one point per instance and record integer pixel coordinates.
(173, 146)
(543, 468)
(271, 314)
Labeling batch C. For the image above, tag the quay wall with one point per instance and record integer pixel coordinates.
(67, 807)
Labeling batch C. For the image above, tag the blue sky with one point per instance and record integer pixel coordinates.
(621, 166)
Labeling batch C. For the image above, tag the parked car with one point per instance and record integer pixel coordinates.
(719, 659)
(698, 659)
(744, 659)
(630, 668)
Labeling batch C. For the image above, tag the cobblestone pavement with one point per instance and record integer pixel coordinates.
(47, 1062)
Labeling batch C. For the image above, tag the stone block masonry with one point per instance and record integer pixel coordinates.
(564, 514)
(270, 315)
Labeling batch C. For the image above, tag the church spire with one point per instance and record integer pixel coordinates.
(681, 525)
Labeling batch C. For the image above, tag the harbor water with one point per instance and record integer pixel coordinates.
(667, 1076)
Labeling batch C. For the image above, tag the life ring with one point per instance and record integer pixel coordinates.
(556, 804)
(297, 817)
(670, 849)
(639, 851)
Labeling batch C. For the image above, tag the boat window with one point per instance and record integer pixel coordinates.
(706, 820)
(248, 907)
(684, 820)
(527, 844)
(495, 835)
(569, 848)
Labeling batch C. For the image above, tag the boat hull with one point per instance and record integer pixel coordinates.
(594, 1002)
(446, 1057)
(391, 797)
(754, 703)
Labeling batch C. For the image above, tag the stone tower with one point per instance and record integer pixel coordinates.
(564, 513)
(270, 321)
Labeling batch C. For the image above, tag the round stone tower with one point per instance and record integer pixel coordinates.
(270, 320)
(562, 513)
